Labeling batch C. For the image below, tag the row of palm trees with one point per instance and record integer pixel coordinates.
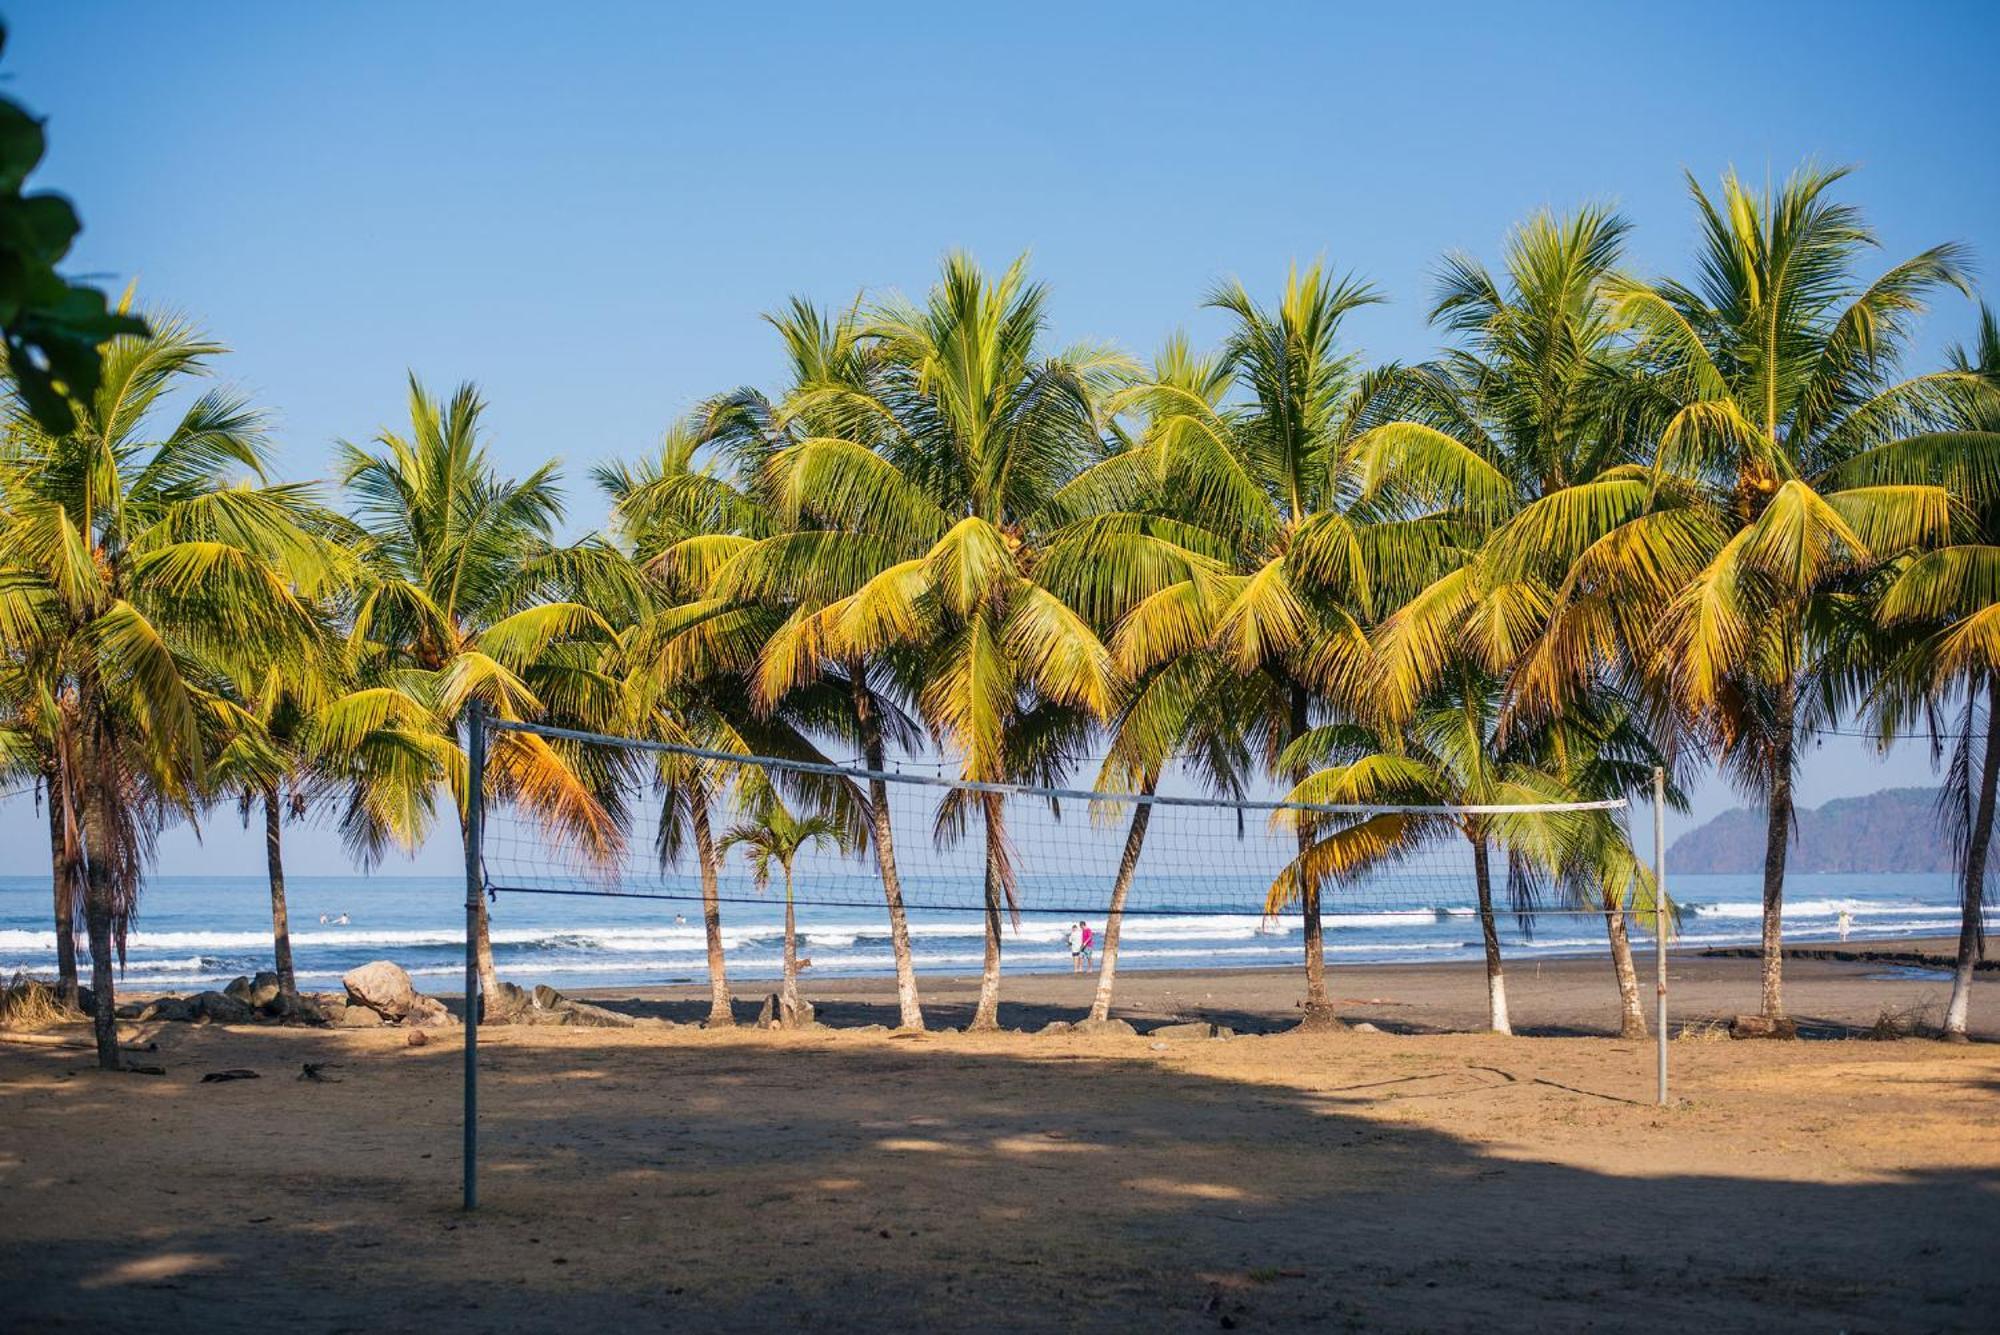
(1614, 525)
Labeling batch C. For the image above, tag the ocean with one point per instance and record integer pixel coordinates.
(200, 932)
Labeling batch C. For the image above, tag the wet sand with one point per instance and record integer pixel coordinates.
(1566, 997)
(838, 1180)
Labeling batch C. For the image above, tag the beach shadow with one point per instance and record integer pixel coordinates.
(753, 1184)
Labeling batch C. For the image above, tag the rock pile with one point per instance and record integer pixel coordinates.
(244, 1001)
(381, 993)
(545, 1005)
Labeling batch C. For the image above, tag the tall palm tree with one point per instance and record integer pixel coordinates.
(924, 512)
(832, 363)
(774, 834)
(1767, 377)
(1236, 527)
(1532, 399)
(143, 556)
(1943, 606)
(469, 597)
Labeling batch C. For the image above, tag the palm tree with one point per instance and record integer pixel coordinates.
(1705, 569)
(773, 834)
(468, 597)
(832, 363)
(1944, 608)
(143, 558)
(1238, 529)
(924, 517)
(1531, 401)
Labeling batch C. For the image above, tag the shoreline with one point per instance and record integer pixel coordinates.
(1567, 996)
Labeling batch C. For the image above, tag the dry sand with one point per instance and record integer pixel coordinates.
(741, 1180)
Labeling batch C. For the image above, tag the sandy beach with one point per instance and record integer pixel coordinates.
(741, 1180)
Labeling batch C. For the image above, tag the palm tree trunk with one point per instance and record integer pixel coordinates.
(62, 867)
(274, 857)
(101, 899)
(1318, 1010)
(1777, 840)
(720, 1014)
(1128, 866)
(1632, 1015)
(493, 1008)
(1972, 895)
(987, 1015)
(788, 1002)
(1496, 979)
(910, 1012)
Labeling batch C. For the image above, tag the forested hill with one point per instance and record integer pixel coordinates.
(1895, 830)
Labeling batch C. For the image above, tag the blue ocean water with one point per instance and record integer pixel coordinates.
(198, 932)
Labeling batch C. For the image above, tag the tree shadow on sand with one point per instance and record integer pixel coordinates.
(756, 1184)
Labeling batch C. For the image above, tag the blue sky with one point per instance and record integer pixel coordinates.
(586, 211)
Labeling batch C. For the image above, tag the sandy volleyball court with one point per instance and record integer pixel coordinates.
(839, 1180)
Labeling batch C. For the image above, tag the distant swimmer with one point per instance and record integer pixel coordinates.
(341, 920)
(324, 920)
(680, 920)
(1845, 922)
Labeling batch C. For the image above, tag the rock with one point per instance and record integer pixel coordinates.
(505, 1004)
(181, 1009)
(1364, 1027)
(653, 1022)
(1056, 1027)
(239, 988)
(291, 1008)
(86, 1000)
(382, 987)
(133, 1010)
(221, 1008)
(264, 989)
(870, 1029)
(595, 1017)
(428, 1013)
(1763, 1026)
(1111, 1026)
(416, 1038)
(1191, 1029)
(357, 1017)
(548, 998)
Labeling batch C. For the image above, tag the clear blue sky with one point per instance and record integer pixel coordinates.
(585, 208)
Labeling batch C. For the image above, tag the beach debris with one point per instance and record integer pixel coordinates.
(1192, 1029)
(317, 1071)
(29, 1003)
(1763, 1026)
(234, 1073)
(774, 1014)
(132, 1069)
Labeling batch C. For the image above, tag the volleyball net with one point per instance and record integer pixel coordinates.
(676, 822)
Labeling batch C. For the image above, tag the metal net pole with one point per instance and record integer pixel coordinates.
(1660, 918)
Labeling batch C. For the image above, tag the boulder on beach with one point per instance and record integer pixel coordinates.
(1192, 1029)
(356, 1017)
(428, 1013)
(239, 988)
(383, 987)
(264, 990)
(221, 1008)
(1111, 1026)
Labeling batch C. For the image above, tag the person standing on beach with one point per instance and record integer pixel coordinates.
(1076, 948)
(1846, 921)
(1089, 941)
